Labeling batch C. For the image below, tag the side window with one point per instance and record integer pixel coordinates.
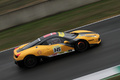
(62, 39)
(45, 43)
(54, 41)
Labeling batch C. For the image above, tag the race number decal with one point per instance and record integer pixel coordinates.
(57, 49)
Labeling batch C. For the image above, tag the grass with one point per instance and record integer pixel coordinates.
(113, 77)
(12, 5)
(59, 22)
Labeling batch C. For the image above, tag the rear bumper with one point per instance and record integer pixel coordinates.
(17, 62)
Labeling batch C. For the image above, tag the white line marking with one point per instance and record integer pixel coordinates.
(77, 28)
(7, 49)
(99, 75)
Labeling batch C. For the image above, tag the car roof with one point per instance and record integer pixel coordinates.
(53, 34)
(57, 34)
(47, 36)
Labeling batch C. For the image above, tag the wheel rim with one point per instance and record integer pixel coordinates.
(81, 45)
(30, 62)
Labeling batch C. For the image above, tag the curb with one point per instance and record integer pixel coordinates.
(101, 75)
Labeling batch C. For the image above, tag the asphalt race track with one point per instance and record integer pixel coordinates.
(73, 65)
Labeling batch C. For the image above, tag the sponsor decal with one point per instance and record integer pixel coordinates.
(61, 34)
(54, 33)
(39, 52)
(49, 34)
(70, 50)
(54, 54)
(39, 39)
(91, 40)
(60, 53)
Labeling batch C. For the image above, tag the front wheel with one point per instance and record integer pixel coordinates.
(30, 61)
(81, 46)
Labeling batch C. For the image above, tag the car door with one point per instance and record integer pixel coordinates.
(57, 47)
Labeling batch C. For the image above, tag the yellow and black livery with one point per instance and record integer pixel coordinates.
(54, 44)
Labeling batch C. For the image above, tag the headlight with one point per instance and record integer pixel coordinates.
(87, 35)
(82, 35)
(91, 36)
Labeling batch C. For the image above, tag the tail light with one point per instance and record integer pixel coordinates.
(16, 47)
(18, 54)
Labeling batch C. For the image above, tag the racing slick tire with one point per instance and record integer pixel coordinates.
(30, 61)
(81, 46)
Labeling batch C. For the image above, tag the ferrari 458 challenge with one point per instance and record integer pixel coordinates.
(54, 44)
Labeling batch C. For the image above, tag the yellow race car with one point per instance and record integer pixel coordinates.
(54, 44)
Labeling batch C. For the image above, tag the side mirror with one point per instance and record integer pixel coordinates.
(66, 42)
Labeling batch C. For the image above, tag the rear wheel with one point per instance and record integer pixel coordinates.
(81, 45)
(30, 61)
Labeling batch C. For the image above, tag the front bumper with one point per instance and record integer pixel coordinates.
(95, 41)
